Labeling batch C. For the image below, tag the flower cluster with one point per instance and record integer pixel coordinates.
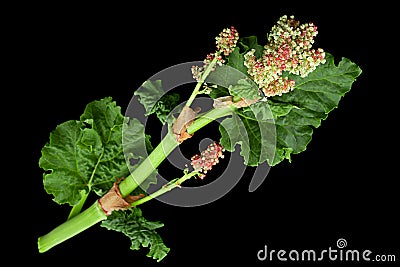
(226, 41)
(207, 159)
(289, 48)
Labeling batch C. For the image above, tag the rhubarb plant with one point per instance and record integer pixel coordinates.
(269, 96)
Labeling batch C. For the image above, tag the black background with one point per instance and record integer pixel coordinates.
(342, 186)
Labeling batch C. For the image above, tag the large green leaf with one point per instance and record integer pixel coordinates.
(311, 101)
(254, 130)
(87, 154)
(296, 114)
(140, 231)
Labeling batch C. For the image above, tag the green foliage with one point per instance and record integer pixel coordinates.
(299, 112)
(295, 114)
(140, 231)
(229, 79)
(254, 130)
(89, 154)
(86, 155)
(155, 100)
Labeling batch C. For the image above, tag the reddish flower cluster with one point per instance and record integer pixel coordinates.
(207, 159)
(288, 49)
(226, 41)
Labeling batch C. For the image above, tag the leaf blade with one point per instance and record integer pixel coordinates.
(87, 154)
(296, 114)
(139, 230)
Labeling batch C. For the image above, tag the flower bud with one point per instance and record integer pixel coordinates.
(207, 159)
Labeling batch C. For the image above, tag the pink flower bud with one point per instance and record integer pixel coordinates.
(226, 40)
(207, 159)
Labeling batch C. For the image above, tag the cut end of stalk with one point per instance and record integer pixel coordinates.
(41, 248)
(72, 227)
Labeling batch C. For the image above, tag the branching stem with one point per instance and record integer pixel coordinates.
(166, 188)
(207, 71)
(95, 213)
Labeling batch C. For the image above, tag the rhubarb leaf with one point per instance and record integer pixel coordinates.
(155, 100)
(313, 98)
(296, 114)
(254, 130)
(87, 154)
(140, 231)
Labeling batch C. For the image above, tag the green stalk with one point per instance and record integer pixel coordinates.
(73, 226)
(169, 143)
(78, 207)
(166, 188)
(146, 167)
(208, 117)
(95, 213)
(79, 222)
(196, 90)
(166, 146)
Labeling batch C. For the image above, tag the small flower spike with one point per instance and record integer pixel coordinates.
(226, 42)
(207, 159)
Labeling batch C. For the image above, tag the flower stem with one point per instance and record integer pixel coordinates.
(169, 143)
(196, 90)
(148, 166)
(78, 207)
(166, 188)
(166, 146)
(208, 117)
